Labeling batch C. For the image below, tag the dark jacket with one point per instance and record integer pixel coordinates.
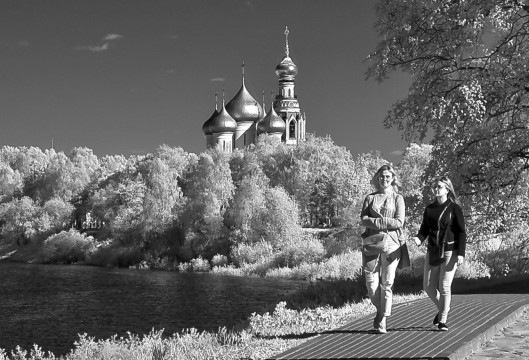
(444, 227)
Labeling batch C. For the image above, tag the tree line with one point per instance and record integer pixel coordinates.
(188, 205)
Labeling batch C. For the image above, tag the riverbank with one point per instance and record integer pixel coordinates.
(264, 335)
(29, 253)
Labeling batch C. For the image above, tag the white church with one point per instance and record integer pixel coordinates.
(238, 123)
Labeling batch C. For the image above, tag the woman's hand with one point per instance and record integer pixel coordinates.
(417, 241)
(460, 260)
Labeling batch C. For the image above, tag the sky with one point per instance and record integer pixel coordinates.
(125, 76)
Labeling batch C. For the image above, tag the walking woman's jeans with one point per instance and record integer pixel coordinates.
(437, 282)
(379, 283)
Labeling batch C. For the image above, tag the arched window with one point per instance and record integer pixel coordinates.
(292, 129)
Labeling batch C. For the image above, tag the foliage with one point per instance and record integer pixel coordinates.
(506, 254)
(68, 247)
(219, 260)
(304, 249)
(23, 220)
(343, 266)
(469, 94)
(10, 182)
(209, 189)
(242, 253)
(198, 265)
(412, 171)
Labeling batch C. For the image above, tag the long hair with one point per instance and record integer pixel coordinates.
(395, 183)
(449, 186)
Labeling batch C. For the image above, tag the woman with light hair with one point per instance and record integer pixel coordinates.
(383, 243)
(443, 226)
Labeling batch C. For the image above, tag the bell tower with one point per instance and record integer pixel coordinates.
(286, 103)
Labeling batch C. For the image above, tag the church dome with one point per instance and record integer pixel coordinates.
(206, 127)
(243, 106)
(222, 122)
(286, 69)
(271, 123)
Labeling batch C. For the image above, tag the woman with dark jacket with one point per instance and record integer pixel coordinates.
(443, 226)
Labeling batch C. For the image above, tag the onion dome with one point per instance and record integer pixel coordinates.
(271, 123)
(243, 106)
(286, 69)
(207, 124)
(222, 122)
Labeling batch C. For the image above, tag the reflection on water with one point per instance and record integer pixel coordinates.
(49, 305)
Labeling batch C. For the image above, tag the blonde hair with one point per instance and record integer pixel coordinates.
(449, 186)
(387, 167)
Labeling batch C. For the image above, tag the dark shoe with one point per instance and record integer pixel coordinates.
(442, 327)
(436, 320)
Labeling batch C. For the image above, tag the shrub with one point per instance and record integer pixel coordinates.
(473, 268)
(508, 253)
(157, 263)
(185, 266)
(347, 265)
(219, 260)
(68, 247)
(259, 252)
(200, 264)
(197, 264)
(299, 250)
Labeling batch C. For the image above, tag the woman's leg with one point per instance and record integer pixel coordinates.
(372, 284)
(447, 273)
(388, 267)
(431, 278)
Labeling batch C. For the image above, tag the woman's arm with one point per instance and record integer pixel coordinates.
(387, 223)
(458, 228)
(423, 230)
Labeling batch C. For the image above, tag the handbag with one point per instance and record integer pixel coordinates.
(375, 244)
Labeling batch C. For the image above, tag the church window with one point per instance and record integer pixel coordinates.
(292, 129)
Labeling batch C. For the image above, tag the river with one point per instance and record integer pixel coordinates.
(49, 305)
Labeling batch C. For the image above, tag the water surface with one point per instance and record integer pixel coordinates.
(50, 304)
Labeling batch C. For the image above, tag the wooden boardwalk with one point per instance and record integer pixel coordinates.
(473, 320)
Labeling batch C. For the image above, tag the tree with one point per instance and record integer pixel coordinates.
(412, 172)
(469, 92)
(10, 182)
(208, 189)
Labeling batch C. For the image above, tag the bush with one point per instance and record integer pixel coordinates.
(219, 260)
(473, 267)
(508, 253)
(303, 249)
(197, 264)
(157, 263)
(200, 264)
(68, 247)
(339, 267)
(259, 252)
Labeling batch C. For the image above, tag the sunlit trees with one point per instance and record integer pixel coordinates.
(412, 171)
(23, 220)
(10, 182)
(317, 173)
(470, 93)
(208, 189)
